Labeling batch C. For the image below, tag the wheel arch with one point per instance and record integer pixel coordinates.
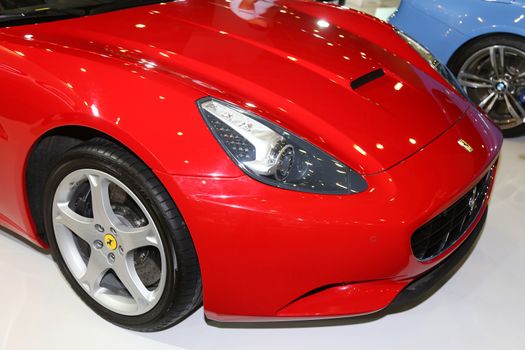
(480, 36)
(45, 153)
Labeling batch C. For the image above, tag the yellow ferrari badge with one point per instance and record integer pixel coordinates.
(110, 241)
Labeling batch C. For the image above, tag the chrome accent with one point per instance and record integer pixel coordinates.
(465, 145)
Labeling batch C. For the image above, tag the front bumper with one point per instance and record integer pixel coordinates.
(266, 252)
(333, 302)
(429, 282)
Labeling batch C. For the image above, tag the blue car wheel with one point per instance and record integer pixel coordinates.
(492, 71)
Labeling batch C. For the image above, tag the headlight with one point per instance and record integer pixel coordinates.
(274, 156)
(434, 63)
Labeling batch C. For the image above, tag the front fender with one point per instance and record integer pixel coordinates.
(151, 111)
(46, 86)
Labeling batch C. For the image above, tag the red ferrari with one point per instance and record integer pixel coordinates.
(273, 160)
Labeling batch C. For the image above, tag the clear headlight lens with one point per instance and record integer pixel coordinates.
(434, 62)
(274, 156)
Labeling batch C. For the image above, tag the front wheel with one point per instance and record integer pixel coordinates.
(492, 71)
(119, 239)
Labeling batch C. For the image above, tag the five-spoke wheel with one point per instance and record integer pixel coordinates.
(106, 236)
(119, 239)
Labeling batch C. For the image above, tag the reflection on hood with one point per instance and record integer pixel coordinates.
(252, 10)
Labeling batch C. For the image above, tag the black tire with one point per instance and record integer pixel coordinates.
(183, 290)
(467, 51)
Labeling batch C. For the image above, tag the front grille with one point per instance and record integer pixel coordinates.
(444, 230)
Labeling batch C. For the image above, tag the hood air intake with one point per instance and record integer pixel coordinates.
(367, 78)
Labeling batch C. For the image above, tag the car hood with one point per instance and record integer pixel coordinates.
(292, 62)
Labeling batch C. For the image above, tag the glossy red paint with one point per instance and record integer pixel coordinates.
(289, 243)
(135, 76)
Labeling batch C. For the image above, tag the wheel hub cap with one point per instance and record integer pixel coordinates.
(501, 86)
(110, 241)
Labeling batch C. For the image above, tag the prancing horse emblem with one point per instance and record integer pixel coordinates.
(472, 199)
(465, 145)
(110, 241)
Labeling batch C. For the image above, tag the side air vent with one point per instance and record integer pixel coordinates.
(367, 78)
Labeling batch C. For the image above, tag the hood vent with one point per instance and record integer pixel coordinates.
(367, 78)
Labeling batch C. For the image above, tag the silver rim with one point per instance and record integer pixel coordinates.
(494, 77)
(109, 242)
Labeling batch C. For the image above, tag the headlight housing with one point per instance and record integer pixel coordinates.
(433, 62)
(274, 156)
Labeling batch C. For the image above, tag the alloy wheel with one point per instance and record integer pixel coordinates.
(494, 77)
(109, 242)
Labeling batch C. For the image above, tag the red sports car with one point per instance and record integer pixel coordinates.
(275, 160)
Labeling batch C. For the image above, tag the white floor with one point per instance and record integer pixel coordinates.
(482, 306)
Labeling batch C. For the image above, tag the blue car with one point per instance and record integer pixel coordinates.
(483, 44)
